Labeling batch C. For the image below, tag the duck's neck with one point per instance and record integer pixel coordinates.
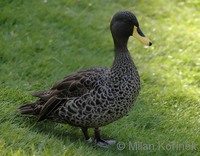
(123, 64)
(120, 43)
(122, 58)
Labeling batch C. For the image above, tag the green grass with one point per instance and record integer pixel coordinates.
(40, 43)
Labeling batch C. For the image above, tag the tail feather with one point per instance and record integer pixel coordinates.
(30, 109)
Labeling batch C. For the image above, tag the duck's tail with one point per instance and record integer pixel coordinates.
(30, 109)
(44, 106)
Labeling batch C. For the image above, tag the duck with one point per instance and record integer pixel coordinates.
(98, 96)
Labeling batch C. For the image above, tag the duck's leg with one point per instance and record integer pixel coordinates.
(85, 132)
(102, 142)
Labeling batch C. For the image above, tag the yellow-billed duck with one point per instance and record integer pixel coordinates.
(97, 96)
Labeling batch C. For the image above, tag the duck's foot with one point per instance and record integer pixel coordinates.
(85, 132)
(89, 140)
(105, 143)
(110, 141)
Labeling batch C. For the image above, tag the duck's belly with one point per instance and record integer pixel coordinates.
(93, 113)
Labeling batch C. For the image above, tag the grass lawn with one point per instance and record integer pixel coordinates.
(42, 41)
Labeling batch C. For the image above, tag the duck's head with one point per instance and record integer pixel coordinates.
(125, 24)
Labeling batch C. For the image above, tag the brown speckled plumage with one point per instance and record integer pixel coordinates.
(98, 96)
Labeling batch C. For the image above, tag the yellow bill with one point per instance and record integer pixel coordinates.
(137, 33)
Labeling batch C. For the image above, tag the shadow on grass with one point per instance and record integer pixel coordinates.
(57, 130)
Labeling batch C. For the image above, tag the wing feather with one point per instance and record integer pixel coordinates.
(74, 85)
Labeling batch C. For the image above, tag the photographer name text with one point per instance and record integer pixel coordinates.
(136, 146)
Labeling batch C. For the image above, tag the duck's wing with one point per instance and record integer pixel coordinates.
(74, 85)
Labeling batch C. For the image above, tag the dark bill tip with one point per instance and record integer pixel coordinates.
(150, 43)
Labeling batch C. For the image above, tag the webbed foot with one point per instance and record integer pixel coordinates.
(105, 143)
